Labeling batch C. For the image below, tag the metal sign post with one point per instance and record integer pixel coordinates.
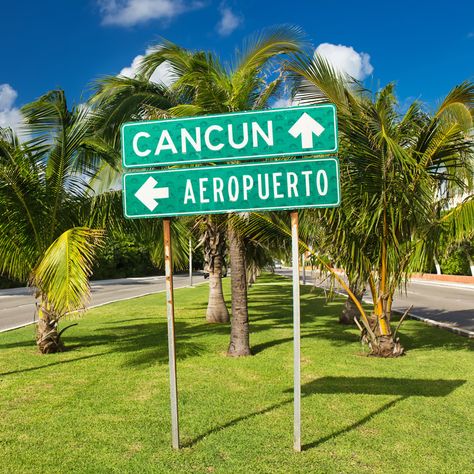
(296, 333)
(171, 336)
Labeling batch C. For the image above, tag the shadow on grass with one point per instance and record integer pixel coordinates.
(234, 422)
(381, 386)
(144, 340)
(52, 364)
(143, 344)
(322, 316)
(401, 388)
(353, 426)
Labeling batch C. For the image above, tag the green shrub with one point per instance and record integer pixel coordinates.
(7, 283)
(455, 263)
(121, 258)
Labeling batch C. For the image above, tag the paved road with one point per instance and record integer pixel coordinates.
(445, 304)
(17, 305)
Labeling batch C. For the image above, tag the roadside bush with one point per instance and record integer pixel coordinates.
(7, 283)
(123, 258)
(455, 263)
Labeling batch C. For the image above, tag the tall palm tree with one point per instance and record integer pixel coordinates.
(45, 232)
(212, 87)
(122, 99)
(204, 85)
(391, 169)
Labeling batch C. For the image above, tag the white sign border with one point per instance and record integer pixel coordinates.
(205, 213)
(216, 160)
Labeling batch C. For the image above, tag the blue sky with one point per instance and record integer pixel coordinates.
(425, 47)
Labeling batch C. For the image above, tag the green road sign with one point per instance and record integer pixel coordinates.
(236, 136)
(275, 185)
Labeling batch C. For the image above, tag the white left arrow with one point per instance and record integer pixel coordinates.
(306, 126)
(148, 194)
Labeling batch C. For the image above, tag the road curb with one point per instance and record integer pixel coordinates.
(18, 327)
(106, 303)
(430, 322)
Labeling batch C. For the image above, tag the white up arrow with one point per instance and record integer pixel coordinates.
(148, 194)
(306, 126)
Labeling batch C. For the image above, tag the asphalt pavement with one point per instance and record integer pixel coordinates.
(17, 306)
(448, 305)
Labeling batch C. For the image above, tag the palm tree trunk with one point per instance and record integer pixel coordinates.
(382, 343)
(239, 336)
(383, 322)
(216, 308)
(48, 339)
(350, 310)
(214, 250)
(471, 262)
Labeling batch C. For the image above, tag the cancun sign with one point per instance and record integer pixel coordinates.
(249, 135)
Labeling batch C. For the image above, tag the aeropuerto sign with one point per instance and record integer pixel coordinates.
(236, 136)
(275, 185)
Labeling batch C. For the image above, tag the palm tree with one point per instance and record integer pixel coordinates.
(391, 169)
(203, 85)
(257, 256)
(45, 233)
(211, 87)
(212, 239)
(122, 99)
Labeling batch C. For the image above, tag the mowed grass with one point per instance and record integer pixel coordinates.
(103, 406)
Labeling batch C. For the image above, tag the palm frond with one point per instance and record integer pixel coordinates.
(458, 223)
(48, 114)
(177, 58)
(261, 48)
(62, 275)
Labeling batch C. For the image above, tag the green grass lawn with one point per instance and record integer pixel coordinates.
(103, 406)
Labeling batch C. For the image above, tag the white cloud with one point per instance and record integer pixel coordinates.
(10, 116)
(131, 71)
(162, 74)
(282, 103)
(133, 12)
(346, 59)
(229, 21)
(8, 96)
